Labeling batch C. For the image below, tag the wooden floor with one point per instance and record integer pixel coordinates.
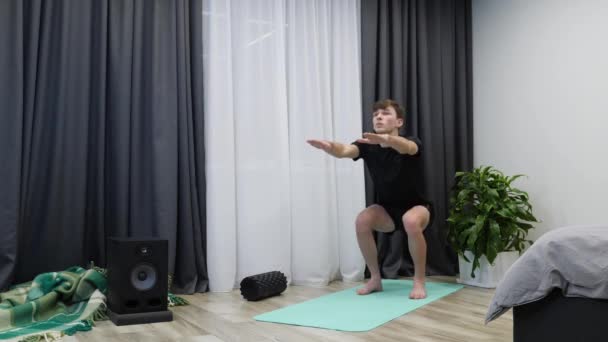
(216, 317)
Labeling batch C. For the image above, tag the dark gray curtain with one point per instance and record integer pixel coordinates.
(419, 53)
(102, 133)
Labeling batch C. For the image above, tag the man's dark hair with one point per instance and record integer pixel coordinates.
(384, 104)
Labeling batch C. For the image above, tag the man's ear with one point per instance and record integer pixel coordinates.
(400, 122)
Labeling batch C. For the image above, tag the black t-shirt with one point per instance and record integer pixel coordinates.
(398, 178)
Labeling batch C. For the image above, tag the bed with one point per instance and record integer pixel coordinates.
(558, 289)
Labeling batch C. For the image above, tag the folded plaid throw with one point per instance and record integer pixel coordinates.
(52, 305)
(56, 304)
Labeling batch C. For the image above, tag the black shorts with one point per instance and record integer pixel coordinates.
(396, 212)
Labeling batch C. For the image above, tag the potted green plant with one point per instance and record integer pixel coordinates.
(488, 221)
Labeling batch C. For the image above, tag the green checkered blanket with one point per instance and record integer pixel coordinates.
(52, 305)
(56, 304)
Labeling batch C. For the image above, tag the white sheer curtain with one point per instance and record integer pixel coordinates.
(277, 73)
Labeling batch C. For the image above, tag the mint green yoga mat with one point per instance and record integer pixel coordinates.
(347, 311)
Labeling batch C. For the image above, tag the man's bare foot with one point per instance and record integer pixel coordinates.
(418, 292)
(373, 285)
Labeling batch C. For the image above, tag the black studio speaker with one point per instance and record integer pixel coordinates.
(138, 282)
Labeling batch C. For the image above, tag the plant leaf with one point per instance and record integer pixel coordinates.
(487, 215)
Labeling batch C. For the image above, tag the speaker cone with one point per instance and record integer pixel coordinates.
(143, 277)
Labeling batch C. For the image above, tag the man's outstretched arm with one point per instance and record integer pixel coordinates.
(336, 149)
(398, 143)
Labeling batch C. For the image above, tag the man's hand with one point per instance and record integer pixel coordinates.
(335, 149)
(324, 145)
(374, 139)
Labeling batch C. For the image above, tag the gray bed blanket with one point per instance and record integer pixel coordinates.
(573, 259)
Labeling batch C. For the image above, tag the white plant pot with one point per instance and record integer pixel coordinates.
(487, 276)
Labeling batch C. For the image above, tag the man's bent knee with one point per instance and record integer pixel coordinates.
(367, 219)
(414, 222)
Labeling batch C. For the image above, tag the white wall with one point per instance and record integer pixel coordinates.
(541, 103)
